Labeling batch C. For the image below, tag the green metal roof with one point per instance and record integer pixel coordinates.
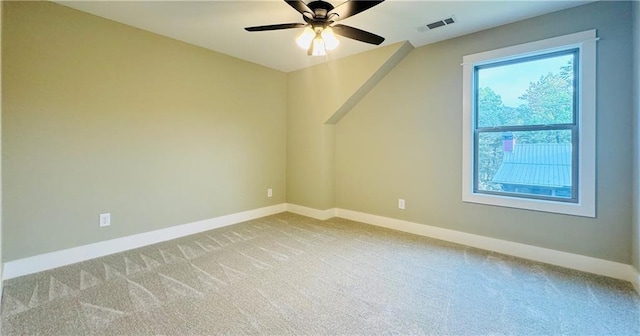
(541, 165)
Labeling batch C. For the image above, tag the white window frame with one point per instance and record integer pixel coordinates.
(585, 42)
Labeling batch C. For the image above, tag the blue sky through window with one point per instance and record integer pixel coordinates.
(512, 80)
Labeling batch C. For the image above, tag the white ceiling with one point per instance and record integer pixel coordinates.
(218, 25)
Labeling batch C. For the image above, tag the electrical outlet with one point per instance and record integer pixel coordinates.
(401, 204)
(269, 192)
(105, 219)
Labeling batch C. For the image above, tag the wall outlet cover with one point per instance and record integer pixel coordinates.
(105, 219)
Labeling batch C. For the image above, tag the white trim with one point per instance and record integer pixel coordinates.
(310, 212)
(586, 42)
(636, 280)
(532, 48)
(43, 262)
(553, 257)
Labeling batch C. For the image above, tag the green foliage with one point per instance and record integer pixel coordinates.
(549, 100)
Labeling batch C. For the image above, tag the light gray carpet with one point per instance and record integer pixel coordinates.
(288, 274)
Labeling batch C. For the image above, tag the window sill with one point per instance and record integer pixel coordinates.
(573, 209)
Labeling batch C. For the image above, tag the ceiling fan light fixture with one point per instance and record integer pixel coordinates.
(318, 47)
(318, 35)
(330, 40)
(305, 39)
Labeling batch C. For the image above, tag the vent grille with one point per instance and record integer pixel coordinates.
(437, 24)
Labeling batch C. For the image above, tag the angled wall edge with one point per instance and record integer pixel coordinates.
(375, 78)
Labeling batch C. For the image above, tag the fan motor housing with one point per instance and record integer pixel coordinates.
(320, 10)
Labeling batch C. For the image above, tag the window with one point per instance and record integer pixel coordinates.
(529, 126)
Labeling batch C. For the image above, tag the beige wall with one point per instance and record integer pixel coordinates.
(636, 162)
(315, 95)
(404, 140)
(1, 209)
(102, 117)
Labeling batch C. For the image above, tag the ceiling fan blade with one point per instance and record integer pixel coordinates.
(357, 34)
(351, 8)
(300, 6)
(276, 27)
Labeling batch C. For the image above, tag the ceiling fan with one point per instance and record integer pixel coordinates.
(318, 35)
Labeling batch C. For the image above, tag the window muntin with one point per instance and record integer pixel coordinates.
(525, 136)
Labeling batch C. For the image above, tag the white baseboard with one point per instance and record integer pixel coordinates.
(310, 212)
(43, 262)
(554, 257)
(1, 283)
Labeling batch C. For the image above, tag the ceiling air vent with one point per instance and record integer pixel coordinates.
(437, 24)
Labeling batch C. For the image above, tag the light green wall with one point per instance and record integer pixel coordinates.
(635, 256)
(1, 210)
(102, 117)
(315, 95)
(404, 140)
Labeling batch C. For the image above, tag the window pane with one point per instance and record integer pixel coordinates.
(533, 91)
(529, 162)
